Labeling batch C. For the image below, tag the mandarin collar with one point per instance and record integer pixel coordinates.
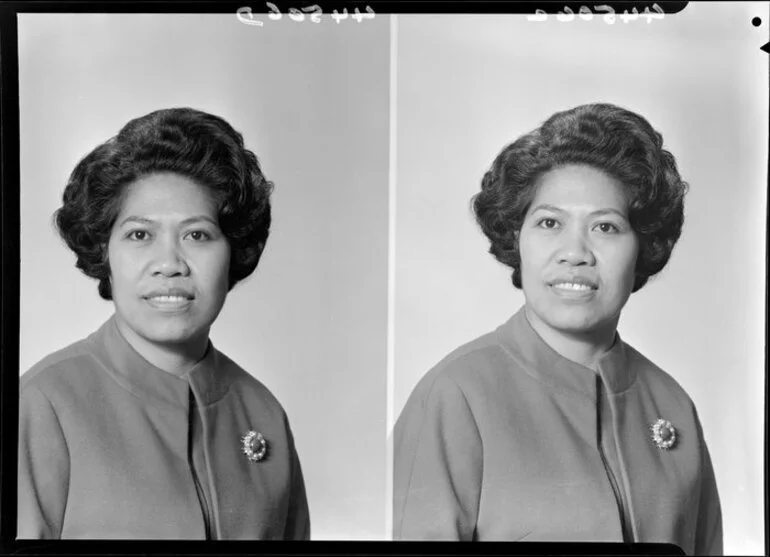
(141, 378)
(548, 366)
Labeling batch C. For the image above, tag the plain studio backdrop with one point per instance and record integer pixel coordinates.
(468, 85)
(312, 102)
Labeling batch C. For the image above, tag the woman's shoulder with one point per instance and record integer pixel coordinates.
(246, 385)
(656, 378)
(64, 365)
(468, 367)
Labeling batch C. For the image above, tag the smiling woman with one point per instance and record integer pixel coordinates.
(144, 430)
(552, 428)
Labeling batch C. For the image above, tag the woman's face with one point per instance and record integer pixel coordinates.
(578, 252)
(169, 261)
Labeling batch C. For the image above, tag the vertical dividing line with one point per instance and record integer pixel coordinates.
(392, 165)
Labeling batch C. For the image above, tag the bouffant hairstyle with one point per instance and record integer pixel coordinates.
(609, 138)
(199, 146)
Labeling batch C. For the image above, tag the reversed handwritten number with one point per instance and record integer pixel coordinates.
(357, 15)
(540, 15)
(244, 15)
(585, 13)
(313, 13)
(274, 13)
(657, 15)
(609, 13)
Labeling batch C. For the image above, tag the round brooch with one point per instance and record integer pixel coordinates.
(254, 446)
(663, 434)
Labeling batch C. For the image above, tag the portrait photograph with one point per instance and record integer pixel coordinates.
(506, 270)
(104, 451)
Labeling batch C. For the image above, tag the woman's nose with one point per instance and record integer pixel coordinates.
(169, 260)
(576, 250)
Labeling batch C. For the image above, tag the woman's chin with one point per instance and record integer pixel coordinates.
(176, 337)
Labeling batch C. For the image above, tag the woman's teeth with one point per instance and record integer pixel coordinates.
(572, 286)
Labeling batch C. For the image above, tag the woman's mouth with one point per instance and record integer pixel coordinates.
(164, 299)
(170, 299)
(573, 286)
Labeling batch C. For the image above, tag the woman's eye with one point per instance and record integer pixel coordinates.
(137, 235)
(547, 223)
(199, 235)
(608, 227)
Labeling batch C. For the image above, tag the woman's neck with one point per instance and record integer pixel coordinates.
(177, 359)
(585, 349)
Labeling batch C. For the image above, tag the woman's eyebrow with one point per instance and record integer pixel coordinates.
(185, 222)
(199, 218)
(608, 211)
(596, 213)
(139, 220)
(548, 207)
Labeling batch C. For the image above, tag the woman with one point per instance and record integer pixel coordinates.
(144, 429)
(552, 428)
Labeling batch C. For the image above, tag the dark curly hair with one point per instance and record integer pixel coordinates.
(609, 138)
(184, 141)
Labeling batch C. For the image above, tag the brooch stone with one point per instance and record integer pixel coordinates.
(254, 446)
(663, 434)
